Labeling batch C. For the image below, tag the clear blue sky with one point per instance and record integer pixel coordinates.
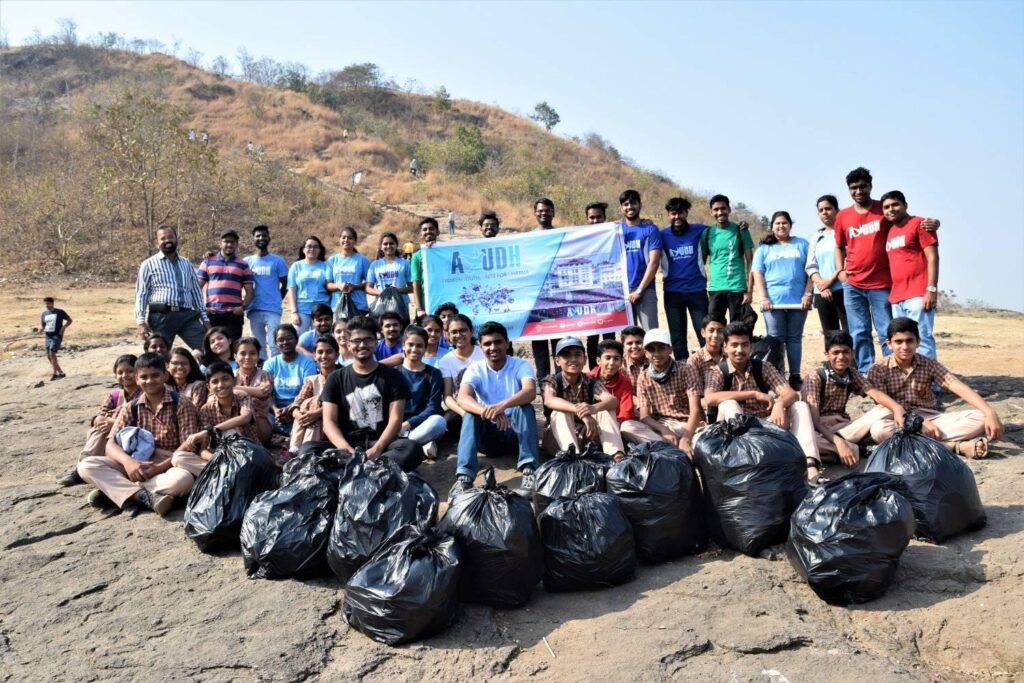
(771, 103)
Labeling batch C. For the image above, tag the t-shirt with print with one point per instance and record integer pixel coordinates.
(351, 270)
(52, 322)
(727, 269)
(288, 377)
(907, 263)
(494, 386)
(863, 236)
(822, 257)
(783, 267)
(396, 274)
(364, 401)
(681, 260)
(267, 273)
(640, 241)
(310, 283)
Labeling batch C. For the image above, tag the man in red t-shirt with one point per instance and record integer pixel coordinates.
(914, 265)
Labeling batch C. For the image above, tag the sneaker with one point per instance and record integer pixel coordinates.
(527, 485)
(70, 478)
(430, 450)
(158, 503)
(99, 500)
(463, 483)
(54, 376)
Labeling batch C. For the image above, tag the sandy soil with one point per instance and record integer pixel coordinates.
(92, 597)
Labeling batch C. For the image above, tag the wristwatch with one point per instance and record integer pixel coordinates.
(931, 288)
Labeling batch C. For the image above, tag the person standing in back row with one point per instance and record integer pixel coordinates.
(684, 282)
(227, 282)
(643, 258)
(167, 285)
(544, 213)
(270, 283)
(428, 238)
(729, 251)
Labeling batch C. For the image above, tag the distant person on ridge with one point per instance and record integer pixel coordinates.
(414, 168)
(451, 223)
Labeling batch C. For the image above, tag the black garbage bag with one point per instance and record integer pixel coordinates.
(660, 495)
(570, 473)
(346, 309)
(375, 499)
(285, 532)
(499, 544)
(940, 486)
(754, 476)
(408, 590)
(389, 301)
(847, 536)
(239, 470)
(588, 543)
(318, 459)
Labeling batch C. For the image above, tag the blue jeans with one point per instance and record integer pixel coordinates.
(431, 429)
(483, 435)
(788, 326)
(306, 322)
(914, 309)
(262, 325)
(867, 308)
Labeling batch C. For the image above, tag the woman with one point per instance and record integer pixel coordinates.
(346, 272)
(257, 384)
(389, 270)
(307, 283)
(435, 336)
(216, 346)
(186, 378)
(289, 369)
(157, 343)
(821, 268)
(784, 289)
(423, 421)
(308, 409)
(463, 352)
(340, 333)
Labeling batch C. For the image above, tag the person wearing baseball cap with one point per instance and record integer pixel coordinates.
(227, 284)
(668, 393)
(579, 409)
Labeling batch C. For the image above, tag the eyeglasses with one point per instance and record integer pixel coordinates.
(457, 331)
(362, 341)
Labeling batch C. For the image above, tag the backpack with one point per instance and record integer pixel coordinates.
(705, 237)
(823, 376)
(756, 369)
(588, 389)
(134, 408)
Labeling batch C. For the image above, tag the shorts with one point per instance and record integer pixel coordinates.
(52, 344)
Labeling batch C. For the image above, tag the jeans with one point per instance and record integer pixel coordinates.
(484, 436)
(185, 324)
(645, 310)
(262, 325)
(788, 325)
(306, 322)
(832, 314)
(720, 302)
(866, 308)
(431, 429)
(914, 309)
(677, 305)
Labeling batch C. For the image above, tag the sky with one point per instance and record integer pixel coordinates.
(771, 103)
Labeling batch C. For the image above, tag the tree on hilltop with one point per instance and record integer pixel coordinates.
(546, 115)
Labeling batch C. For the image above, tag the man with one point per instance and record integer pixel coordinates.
(668, 393)
(684, 282)
(428, 238)
(861, 231)
(496, 394)
(270, 284)
(489, 224)
(544, 213)
(635, 358)
(52, 323)
(390, 343)
(914, 266)
(711, 354)
(643, 257)
(168, 286)
(579, 406)
(323, 321)
(451, 223)
(227, 282)
(609, 371)
(364, 403)
(596, 212)
(729, 251)
(908, 376)
(741, 384)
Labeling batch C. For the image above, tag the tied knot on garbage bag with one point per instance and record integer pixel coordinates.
(570, 472)
(389, 301)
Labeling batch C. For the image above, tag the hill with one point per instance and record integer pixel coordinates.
(95, 153)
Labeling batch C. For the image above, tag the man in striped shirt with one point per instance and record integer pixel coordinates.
(227, 282)
(168, 287)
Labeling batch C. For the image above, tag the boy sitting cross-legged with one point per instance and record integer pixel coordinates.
(668, 393)
(611, 373)
(227, 409)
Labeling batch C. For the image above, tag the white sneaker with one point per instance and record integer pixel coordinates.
(430, 450)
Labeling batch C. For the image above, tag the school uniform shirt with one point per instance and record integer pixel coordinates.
(635, 369)
(863, 236)
(113, 401)
(671, 397)
(260, 379)
(267, 273)
(364, 401)
(907, 263)
(351, 270)
(639, 240)
(52, 322)
(288, 377)
(702, 361)
(396, 274)
(821, 257)
(385, 350)
(783, 267)
(225, 279)
(744, 381)
(833, 398)
(727, 268)
(425, 390)
(681, 260)
(196, 392)
(621, 388)
(309, 280)
(494, 386)
(212, 414)
(913, 388)
(169, 430)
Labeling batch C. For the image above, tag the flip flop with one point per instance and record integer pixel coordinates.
(979, 449)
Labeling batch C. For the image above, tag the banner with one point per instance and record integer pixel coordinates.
(540, 285)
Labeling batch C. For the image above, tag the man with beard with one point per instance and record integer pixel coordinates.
(168, 287)
(270, 283)
(489, 224)
(227, 282)
(544, 213)
(643, 258)
(428, 235)
(685, 284)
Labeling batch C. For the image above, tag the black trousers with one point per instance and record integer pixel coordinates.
(405, 453)
(832, 314)
(185, 324)
(720, 302)
(228, 320)
(543, 349)
(592, 351)
(677, 306)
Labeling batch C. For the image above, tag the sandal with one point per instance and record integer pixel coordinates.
(817, 479)
(979, 448)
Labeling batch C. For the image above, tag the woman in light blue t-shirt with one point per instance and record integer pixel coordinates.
(307, 283)
(389, 269)
(784, 288)
(347, 272)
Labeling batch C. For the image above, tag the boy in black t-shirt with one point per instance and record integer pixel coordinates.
(364, 403)
(53, 322)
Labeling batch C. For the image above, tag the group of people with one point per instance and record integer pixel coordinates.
(397, 389)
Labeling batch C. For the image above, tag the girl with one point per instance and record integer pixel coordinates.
(308, 410)
(216, 346)
(821, 266)
(346, 272)
(389, 270)
(435, 335)
(784, 288)
(464, 352)
(307, 282)
(257, 384)
(423, 422)
(341, 337)
(157, 343)
(289, 369)
(185, 376)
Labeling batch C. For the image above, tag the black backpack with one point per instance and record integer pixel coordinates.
(756, 369)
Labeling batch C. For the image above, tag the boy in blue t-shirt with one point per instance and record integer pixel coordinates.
(52, 323)
(323, 320)
(685, 282)
(643, 257)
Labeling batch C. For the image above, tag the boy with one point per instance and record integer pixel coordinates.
(635, 358)
(642, 240)
(609, 371)
(907, 377)
(684, 283)
(52, 323)
(712, 327)
(323, 319)
(152, 484)
(579, 406)
(496, 394)
(828, 390)
(668, 393)
(428, 236)
(741, 384)
(228, 410)
(364, 403)
(729, 251)
(391, 336)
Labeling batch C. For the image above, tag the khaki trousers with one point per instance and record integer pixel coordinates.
(190, 462)
(561, 432)
(635, 431)
(852, 431)
(800, 424)
(960, 425)
(108, 476)
(95, 443)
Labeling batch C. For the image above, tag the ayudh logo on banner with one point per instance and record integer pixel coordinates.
(539, 285)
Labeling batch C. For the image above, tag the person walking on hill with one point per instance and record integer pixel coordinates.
(643, 258)
(414, 168)
(53, 322)
(729, 251)
(270, 285)
(167, 285)
(821, 268)
(227, 282)
(684, 283)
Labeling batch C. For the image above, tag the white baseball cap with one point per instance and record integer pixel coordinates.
(657, 337)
